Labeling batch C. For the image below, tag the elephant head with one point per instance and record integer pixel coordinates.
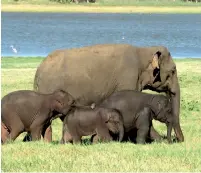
(166, 81)
(114, 122)
(162, 111)
(61, 101)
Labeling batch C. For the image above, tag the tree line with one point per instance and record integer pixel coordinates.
(93, 1)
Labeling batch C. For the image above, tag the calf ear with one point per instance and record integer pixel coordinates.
(105, 116)
(57, 106)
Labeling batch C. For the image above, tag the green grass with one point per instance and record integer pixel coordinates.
(18, 73)
(146, 3)
(103, 6)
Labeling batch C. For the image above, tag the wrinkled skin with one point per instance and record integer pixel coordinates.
(84, 121)
(91, 74)
(28, 111)
(139, 109)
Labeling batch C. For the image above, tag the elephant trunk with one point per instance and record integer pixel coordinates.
(175, 98)
(176, 122)
(121, 132)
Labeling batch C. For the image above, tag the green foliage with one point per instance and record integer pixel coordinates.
(145, 3)
(62, 1)
(18, 73)
(111, 2)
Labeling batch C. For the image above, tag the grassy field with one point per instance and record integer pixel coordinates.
(18, 73)
(103, 6)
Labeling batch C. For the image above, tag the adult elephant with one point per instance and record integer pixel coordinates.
(90, 74)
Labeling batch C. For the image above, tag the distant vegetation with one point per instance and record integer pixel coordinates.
(111, 2)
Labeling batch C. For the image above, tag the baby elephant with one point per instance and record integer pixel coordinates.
(84, 121)
(139, 109)
(32, 112)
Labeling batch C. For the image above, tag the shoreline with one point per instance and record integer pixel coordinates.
(97, 9)
(42, 57)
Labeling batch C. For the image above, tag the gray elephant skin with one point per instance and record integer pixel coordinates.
(139, 109)
(84, 121)
(32, 112)
(91, 74)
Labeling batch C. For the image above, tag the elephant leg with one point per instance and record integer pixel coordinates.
(95, 138)
(106, 138)
(154, 135)
(14, 134)
(66, 137)
(141, 135)
(104, 135)
(47, 132)
(143, 124)
(4, 133)
(36, 134)
(16, 131)
(76, 140)
(131, 135)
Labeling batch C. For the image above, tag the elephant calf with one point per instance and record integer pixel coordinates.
(84, 121)
(32, 112)
(139, 109)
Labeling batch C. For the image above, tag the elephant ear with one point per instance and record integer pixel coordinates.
(63, 96)
(155, 60)
(57, 106)
(155, 63)
(105, 116)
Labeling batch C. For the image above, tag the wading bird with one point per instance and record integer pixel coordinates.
(13, 49)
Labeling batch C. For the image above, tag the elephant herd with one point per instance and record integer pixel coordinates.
(96, 90)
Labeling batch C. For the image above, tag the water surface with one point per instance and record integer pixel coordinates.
(37, 34)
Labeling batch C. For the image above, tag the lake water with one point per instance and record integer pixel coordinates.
(37, 34)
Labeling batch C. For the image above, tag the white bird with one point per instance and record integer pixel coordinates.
(13, 49)
(123, 36)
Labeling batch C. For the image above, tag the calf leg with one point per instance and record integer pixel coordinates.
(142, 134)
(95, 138)
(154, 134)
(76, 140)
(103, 134)
(14, 134)
(4, 133)
(36, 134)
(143, 124)
(66, 137)
(47, 132)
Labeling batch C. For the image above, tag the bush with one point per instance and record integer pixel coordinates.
(74, 1)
